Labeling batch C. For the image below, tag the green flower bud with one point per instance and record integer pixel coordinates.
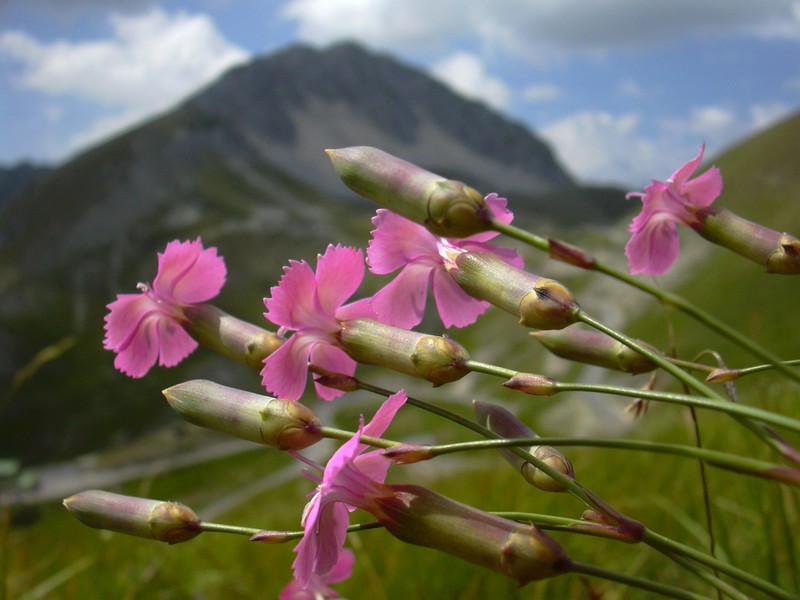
(231, 337)
(283, 424)
(439, 359)
(594, 348)
(536, 301)
(446, 207)
(169, 522)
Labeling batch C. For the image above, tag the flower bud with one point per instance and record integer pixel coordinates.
(283, 424)
(231, 337)
(594, 348)
(777, 252)
(169, 522)
(502, 422)
(439, 359)
(723, 375)
(537, 301)
(532, 384)
(446, 207)
(406, 454)
(419, 516)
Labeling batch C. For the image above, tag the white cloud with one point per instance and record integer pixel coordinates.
(467, 74)
(766, 114)
(541, 92)
(152, 60)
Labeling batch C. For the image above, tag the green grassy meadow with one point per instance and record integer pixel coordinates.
(755, 522)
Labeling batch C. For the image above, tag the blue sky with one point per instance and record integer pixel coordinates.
(623, 90)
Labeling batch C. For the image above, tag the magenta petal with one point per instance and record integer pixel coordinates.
(680, 176)
(293, 302)
(285, 370)
(385, 414)
(360, 309)
(174, 343)
(188, 274)
(456, 307)
(124, 317)
(653, 250)
(343, 567)
(140, 354)
(397, 241)
(335, 360)
(339, 273)
(703, 189)
(508, 255)
(402, 301)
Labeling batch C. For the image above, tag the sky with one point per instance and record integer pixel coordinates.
(622, 90)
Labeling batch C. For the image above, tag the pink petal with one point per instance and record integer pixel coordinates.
(397, 241)
(653, 249)
(333, 359)
(402, 302)
(141, 352)
(343, 568)
(497, 206)
(385, 414)
(285, 370)
(293, 303)
(360, 309)
(339, 273)
(456, 307)
(189, 274)
(124, 318)
(680, 176)
(508, 255)
(174, 343)
(703, 189)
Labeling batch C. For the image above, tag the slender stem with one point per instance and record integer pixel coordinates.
(341, 434)
(667, 298)
(711, 578)
(223, 528)
(761, 368)
(636, 582)
(723, 460)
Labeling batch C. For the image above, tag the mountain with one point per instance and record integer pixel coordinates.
(14, 179)
(241, 163)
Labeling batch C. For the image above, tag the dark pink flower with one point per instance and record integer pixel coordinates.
(424, 260)
(319, 585)
(653, 247)
(312, 306)
(144, 327)
(348, 480)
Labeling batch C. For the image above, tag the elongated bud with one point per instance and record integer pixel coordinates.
(572, 255)
(777, 252)
(283, 424)
(723, 375)
(419, 516)
(231, 337)
(446, 207)
(505, 424)
(169, 522)
(538, 302)
(532, 384)
(594, 348)
(439, 359)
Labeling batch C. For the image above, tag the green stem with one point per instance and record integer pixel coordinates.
(635, 582)
(667, 298)
(223, 528)
(723, 460)
(344, 435)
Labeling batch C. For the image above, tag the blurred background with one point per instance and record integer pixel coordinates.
(124, 125)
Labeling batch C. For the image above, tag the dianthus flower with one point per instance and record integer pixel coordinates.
(654, 245)
(319, 585)
(311, 305)
(142, 328)
(398, 243)
(349, 477)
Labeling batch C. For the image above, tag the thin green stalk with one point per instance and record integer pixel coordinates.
(223, 528)
(723, 460)
(667, 298)
(635, 582)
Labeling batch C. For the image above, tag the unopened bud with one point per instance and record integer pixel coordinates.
(723, 375)
(536, 301)
(446, 207)
(283, 424)
(439, 359)
(777, 252)
(169, 522)
(406, 454)
(532, 384)
(502, 422)
(594, 348)
(419, 516)
(273, 537)
(572, 255)
(231, 337)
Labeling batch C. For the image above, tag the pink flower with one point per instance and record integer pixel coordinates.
(144, 327)
(425, 258)
(653, 247)
(348, 481)
(318, 585)
(312, 306)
